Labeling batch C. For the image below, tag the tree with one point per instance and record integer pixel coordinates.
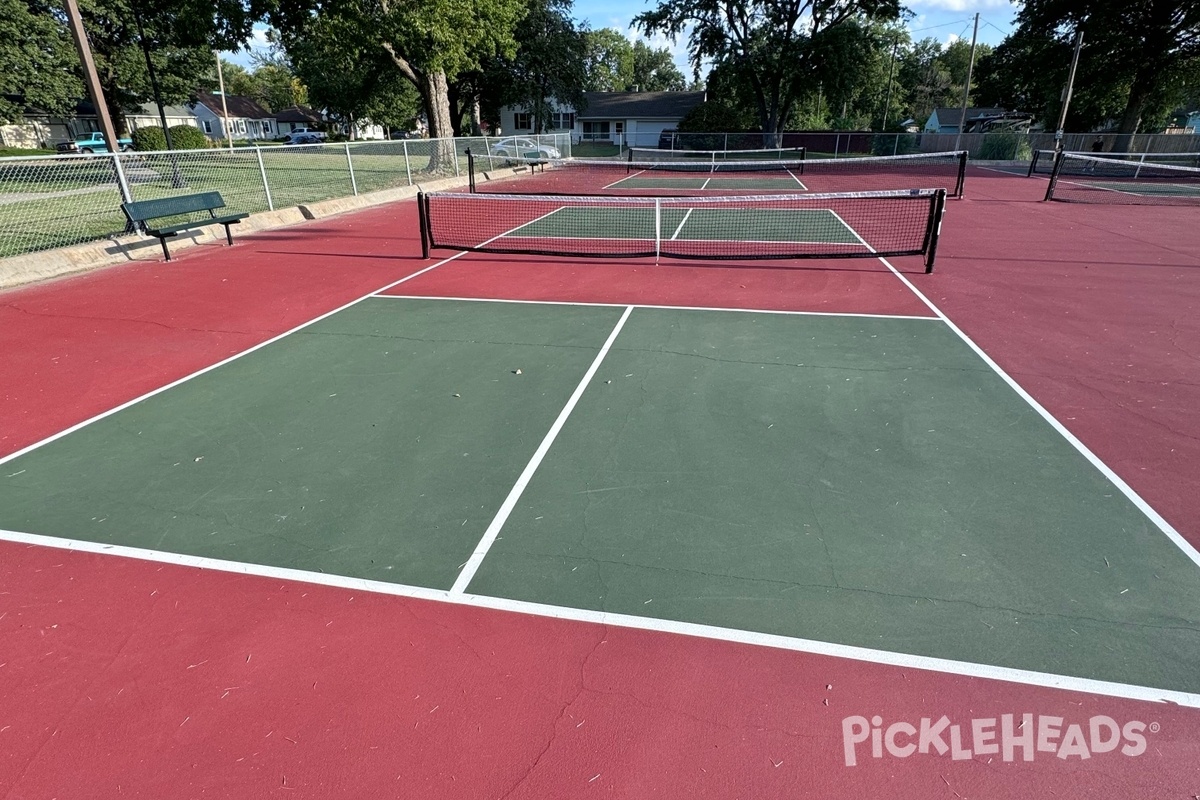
(428, 41)
(608, 59)
(776, 44)
(548, 63)
(36, 56)
(654, 70)
(1144, 45)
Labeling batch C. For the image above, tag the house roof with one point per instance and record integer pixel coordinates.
(951, 116)
(609, 105)
(152, 111)
(298, 114)
(238, 106)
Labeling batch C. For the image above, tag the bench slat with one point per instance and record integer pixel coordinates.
(142, 210)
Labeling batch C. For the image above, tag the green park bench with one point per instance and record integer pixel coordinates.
(144, 212)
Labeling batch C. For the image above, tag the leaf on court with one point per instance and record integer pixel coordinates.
(516, 372)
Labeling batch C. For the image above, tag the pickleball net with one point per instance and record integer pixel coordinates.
(649, 154)
(1042, 162)
(1079, 178)
(699, 177)
(735, 228)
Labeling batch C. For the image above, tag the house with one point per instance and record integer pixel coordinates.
(623, 118)
(294, 117)
(945, 120)
(147, 116)
(247, 119)
(39, 128)
(1193, 122)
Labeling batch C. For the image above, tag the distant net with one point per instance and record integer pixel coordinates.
(700, 177)
(1042, 162)
(843, 225)
(1079, 178)
(644, 154)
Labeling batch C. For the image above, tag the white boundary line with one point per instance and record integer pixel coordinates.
(712, 632)
(682, 222)
(1105, 470)
(247, 351)
(493, 529)
(662, 307)
(802, 186)
(627, 177)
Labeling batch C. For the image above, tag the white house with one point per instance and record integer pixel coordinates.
(247, 119)
(945, 120)
(623, 118)
(1193, 122)
(147, 116)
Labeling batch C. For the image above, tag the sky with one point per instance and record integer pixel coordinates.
(945, 20)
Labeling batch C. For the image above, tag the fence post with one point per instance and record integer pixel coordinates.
(350, 164)
(407, 166)
(896, 144)
(262, 171)
(455, 147)
(122, 184)
(727, 142)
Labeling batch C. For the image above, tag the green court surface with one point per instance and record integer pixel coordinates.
(712, 181)
(1142, 189)
(692, 224)
(847, 479)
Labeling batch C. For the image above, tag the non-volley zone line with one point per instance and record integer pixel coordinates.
(652, 306)
(696, 630)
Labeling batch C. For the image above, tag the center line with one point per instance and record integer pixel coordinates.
(493, 530)
(681, 222)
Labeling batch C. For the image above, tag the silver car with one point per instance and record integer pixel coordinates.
(521, 147)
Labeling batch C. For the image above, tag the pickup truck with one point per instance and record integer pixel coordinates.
(91, 143)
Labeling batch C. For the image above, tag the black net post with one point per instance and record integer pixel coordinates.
(471, 170)
(962, 174)
(938, 208)
(1058, 163)
(1033, 163)
(423, 216)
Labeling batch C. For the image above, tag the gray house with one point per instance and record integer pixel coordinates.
(247, 119)
(621, 118)
(945, 120)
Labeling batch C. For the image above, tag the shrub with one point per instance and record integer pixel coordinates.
(887, 144)
(188, 137)
(148, 139)
(1005, 147)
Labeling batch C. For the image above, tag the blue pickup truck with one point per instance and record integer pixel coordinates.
(91, 143)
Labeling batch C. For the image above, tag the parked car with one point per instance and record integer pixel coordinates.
(666, 139)
(521, 147)
(91, 143)
(304, 137)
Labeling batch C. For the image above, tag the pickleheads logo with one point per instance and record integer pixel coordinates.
(1006, 737)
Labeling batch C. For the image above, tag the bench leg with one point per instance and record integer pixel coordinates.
(166, 253)
(228, 234)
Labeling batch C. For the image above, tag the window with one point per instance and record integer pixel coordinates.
(241, 126)
(208, 126)
(596, 131)
(266, 126)
(522, 122)
(562, 121)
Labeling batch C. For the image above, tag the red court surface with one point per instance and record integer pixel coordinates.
(127, 678)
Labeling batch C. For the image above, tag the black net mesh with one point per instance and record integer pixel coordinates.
(644, 154)
(738, 228)
(1042, 162)
(701, 177)
(1124, 181)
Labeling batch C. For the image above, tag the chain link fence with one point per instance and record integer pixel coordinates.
(48, 202)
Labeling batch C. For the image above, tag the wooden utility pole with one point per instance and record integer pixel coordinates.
(1062, 114)
(962, 120)
(224, 105)
(92, 80)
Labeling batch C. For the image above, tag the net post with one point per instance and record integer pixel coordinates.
(962, 175)
(423, 216)
(1058, 162)
(803, 158)
(470, 171)
(937, 208)
(657, 228)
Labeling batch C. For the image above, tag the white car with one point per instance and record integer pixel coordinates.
(520, 147)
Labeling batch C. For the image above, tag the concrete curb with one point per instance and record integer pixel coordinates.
(47, 264)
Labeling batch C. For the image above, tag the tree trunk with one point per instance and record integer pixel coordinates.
(1131, 119)
(437, 90)
(476, 114)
